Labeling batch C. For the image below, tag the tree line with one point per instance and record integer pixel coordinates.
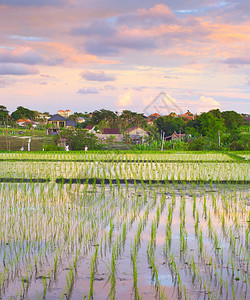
(203, 131)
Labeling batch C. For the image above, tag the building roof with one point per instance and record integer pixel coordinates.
(134, 128)
(57, 118)
(111, 131)
(89, 127)
(175, 134)
(188, 116)
(70, 123)
(24, 121)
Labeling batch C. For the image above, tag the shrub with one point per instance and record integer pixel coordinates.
(197, 144)
(52, 147)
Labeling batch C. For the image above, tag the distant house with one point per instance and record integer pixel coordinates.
(110, 134)
(23, 122)
(64, 113)
(188, 116)
(80, 120)
(175, 136)
(137, 134)
(153, 116)
(59, 122)
(27, 122)
(43, 118)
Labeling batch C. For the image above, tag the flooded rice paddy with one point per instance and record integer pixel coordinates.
(125, 241)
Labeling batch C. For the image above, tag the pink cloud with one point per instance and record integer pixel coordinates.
(23, 55)
(17, 69)
(96, 76)
(88, 90)
(157, 11)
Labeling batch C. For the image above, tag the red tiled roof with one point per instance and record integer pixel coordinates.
(187, 116)
(155, 115)
(111, 131)
(24, 120)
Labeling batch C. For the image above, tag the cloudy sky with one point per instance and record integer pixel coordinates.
(84, 55)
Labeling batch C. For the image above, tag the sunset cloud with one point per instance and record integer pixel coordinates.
(88, 90)
(22, 55)
(238, 61)
(207, 103)
(130, 51)
(96, 76)
(125, 100)
(17, 70)
(31, 2)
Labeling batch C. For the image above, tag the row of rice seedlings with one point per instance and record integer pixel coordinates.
(144, 171)
(182, 156)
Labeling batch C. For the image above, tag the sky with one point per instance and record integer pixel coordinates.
(86, 55)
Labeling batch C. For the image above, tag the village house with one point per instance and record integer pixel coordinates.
(188, 116)
(64, 113)
(27, 122)
(59, 121)
(23, 122)
(80, 120)
(43, 118)
(175, 136)
(137, 134)
(154, 116)
(110, 134)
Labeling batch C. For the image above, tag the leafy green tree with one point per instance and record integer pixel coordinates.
(78, 138)
(108, 116)
(154, 134)
(211, 125)
(130, 119)
(193, 127)
(169, 125)
(24, 113)
(216, 113)
(232, 120)
(3, 114)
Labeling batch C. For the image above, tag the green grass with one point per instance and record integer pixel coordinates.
(26, 132)
(13, 143)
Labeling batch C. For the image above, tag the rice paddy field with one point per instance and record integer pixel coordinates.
(124, 226)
